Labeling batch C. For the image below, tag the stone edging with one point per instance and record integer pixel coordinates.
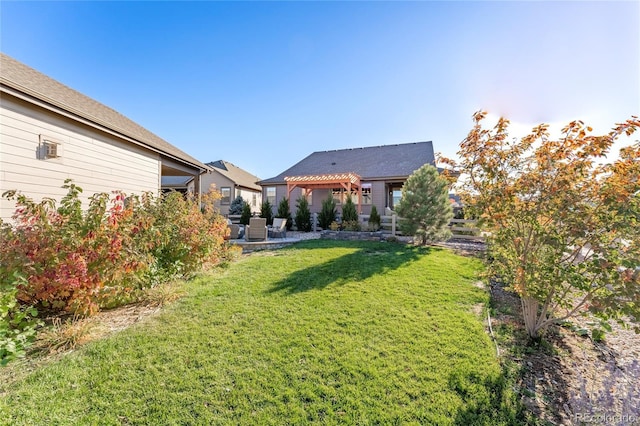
(353, 235)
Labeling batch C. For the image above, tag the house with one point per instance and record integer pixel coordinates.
(372, 175)
(232, 181)
(50, 132)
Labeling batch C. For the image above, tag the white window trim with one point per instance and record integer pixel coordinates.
(222, 202)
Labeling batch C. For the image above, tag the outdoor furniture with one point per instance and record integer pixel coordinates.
(279, 228)
(256, 230)
(234, 231)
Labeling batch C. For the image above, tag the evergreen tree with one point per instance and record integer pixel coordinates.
(349, 211)
(328, 212)
(350, 220)
(284, 212)
(236, 205)
(374, 219)
(303, 215)
(246, 214)
(425, 207)
(266, 211)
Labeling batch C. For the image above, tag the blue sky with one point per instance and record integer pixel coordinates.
(264, 84)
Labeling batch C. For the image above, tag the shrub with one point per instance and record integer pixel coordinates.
(76, 261)
(327, 213)
(246, 214)
(67, 255)
(374, 219)
(284, 212)
(187, 238)
(17, 323)
(266, 211)
(351, 225)
(303, 215)
(73, 261)
(237, 205)
(349, 212)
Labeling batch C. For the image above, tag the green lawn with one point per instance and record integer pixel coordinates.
(323, 332)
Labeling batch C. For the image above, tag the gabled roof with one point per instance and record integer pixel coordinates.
(19, 79)
(370, 163)
(237, 175)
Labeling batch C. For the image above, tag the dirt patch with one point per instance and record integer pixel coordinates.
(118, 319)
(65, 334)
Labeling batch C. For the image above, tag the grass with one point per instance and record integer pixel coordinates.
(324, 332)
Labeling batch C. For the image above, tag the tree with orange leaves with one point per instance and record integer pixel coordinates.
(564, 224)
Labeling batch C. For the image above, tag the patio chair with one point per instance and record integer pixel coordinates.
(256, 230)
(279, 228)
(234, 231)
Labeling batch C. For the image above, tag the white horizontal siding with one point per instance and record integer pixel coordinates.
(97, 162)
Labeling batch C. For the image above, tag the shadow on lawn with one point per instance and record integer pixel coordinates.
(368, 261)
(489, 401)
(532, 388)
(510, 398)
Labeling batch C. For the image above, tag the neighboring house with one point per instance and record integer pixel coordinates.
(373, 176)
(50, 132)
(232, 181)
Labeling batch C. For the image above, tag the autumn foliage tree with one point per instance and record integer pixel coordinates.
(564, 223)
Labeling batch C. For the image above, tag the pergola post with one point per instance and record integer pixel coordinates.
(346, 180)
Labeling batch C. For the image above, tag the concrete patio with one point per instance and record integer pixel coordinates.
(274, 243)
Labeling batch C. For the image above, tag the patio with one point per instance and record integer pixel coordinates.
(274, 243)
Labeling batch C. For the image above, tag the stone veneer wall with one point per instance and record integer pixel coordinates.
(352, 235)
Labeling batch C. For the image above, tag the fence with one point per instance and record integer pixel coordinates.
(387, 223)
(465, 229)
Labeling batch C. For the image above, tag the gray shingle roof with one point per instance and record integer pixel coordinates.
(236, 174)
(19, 77)
(370, 163)
(175, 181)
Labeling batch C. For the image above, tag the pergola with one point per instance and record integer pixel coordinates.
(348, 181)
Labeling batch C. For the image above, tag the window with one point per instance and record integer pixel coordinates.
(337, 195)
(366, 194)
(340, 195)
(397, 194)
(271, 195)
(308, 194)
(254, 199)
(49, 148)
(226, 195)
